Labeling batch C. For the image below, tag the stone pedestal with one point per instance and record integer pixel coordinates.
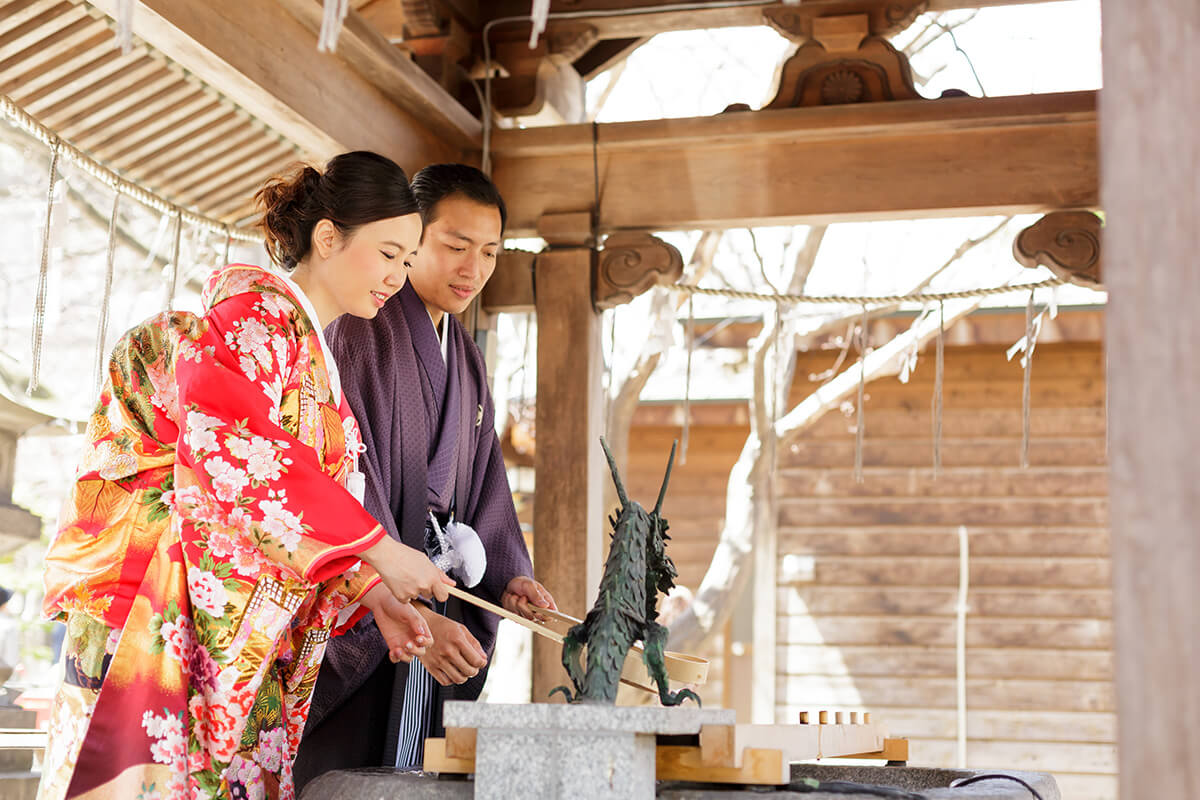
(544, 750)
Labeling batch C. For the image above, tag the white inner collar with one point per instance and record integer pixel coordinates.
(441, 334)
(335, 379)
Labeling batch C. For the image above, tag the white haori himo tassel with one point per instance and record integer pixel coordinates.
(462, 551)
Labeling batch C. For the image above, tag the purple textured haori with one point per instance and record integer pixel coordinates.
(428, 426)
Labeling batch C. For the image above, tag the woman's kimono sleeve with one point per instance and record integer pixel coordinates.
(249, 472)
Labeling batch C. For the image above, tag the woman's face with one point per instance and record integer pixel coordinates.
(363, 270)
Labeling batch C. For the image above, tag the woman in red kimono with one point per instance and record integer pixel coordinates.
(215, 535)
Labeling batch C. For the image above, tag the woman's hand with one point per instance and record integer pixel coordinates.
(408, 573)
(403, 628)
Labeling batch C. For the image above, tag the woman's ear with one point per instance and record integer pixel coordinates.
(324, 238)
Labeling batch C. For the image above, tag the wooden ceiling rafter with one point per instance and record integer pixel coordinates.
(172, 129)
(222, 44)
(119, 97)
(139, 113)
(43, 50)
(249, 163)
(87, 94)
(195, 142)
(236, 148)
(28, 29)
(61, 65)
(168, 124)
(217, 142)
(172, 89)
(98, 61)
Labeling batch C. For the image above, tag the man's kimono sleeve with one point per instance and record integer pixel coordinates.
(494, 517)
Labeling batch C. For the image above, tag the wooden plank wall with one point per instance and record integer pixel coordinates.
(869, 572)
(695, 504)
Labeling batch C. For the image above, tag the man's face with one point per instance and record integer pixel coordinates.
(457, 254)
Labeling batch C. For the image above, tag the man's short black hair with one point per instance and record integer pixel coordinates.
(435, 183)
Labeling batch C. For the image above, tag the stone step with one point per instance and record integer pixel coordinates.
(18, 748)
(19, 785)
(17, 717)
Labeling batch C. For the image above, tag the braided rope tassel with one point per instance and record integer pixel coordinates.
(171, 285)
(609, 366)
(687, 382)
(106, 301)
(861, 421)
(125, 25)
(334, 16)
(39, 307)
(1025, 393)
(228, 244)
(938, 375)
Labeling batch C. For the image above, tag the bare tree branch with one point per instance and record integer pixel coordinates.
(663, 306)
(749, 489)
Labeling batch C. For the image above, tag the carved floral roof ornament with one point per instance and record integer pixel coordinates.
(1066, 242)
(844, 60)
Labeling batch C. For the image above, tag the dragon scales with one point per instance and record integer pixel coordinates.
(626, 608)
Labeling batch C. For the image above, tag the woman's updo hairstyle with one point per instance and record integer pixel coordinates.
(356, 189)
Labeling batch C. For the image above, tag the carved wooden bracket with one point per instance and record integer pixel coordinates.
(567, 41)
(1067, 242)
(884, 17)
(630, 263)
(844, 63)
(421, 17)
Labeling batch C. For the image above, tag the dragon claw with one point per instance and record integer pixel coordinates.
(566, 693)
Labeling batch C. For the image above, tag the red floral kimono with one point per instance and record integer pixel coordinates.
(206, 552)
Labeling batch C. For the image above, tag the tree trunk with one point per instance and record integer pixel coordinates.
(732, 560)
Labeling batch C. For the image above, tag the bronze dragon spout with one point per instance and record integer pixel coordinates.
(637, 569)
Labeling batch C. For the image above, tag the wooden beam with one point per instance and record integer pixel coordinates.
(648, 24)
(1151, 241)
(567, 510)
(365, 49)
(953, 157)
(606, 54)
(510, 289)
(266, 61)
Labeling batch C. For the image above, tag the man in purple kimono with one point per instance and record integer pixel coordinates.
(418, 387)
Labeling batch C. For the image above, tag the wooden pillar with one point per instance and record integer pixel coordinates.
(567, 512)
(1150, 167)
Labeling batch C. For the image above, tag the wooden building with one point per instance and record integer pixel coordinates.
(868, 574)
(213, 96)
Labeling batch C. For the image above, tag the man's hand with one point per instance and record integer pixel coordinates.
(525, 596)
(455, 656)
(403, 628)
